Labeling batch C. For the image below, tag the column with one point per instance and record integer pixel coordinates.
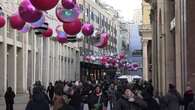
(145, 60)
(45, 66)
(3, 62)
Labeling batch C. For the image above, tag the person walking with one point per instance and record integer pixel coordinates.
(95, 100)
(188, 97)
(129, 101)
(38, 101)
(9, 98)
(172, 98)
(50, 91)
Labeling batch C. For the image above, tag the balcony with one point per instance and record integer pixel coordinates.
(145, 28)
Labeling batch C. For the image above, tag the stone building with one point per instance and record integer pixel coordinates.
(146, 34)
(173, 43)
(105, 19)
(26, 58)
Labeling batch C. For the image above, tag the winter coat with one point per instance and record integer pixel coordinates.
(50, 90)
(124, 104)
(66, 107)
(172, 100)
(93, 100)
(75, 101)
(9, 97)
(188, 98)
(152, 104)
(38, 102)
(58, 102)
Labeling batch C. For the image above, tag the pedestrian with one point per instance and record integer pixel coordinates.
(129, 101)
(58, 97)
(95, 100)
(38, 101)
(188, 97)
(75, 96)
(172, 98)
(50, 91)
(9, 98)
(191, 106)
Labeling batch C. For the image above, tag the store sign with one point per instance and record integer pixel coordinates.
(172, 24)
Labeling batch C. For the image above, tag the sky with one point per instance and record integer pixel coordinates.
(127, 7)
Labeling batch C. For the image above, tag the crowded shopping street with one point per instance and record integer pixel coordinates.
(97, 55)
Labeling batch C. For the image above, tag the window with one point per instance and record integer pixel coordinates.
(92, 16)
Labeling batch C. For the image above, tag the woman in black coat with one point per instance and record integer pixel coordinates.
(9, 98)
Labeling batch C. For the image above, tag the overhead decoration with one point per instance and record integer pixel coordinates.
(103, 40)
(80, 37)
(28, 12)
(87, 29)
(38, 23)
(44, 4)
(2, 19)
(72, 28)
(61, 35)
(67, 15)
(26, 28)
(16, 22)
(41, 29)
(47, 33)
(68, 4)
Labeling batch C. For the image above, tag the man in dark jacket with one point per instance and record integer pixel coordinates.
(173, 98)
(129, 101)
(188, 97)
(9, 98)
(38, 102)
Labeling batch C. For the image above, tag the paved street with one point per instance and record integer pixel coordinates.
(20, 102)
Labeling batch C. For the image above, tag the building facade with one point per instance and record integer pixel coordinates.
(146, 34)
(104, 18)
(173, 49)
(26, 58)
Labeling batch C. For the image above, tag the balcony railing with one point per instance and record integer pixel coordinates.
(145, 27)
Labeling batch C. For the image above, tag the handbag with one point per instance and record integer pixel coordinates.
(98, 105)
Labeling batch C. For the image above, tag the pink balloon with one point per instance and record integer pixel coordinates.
(103, 40)
(28, 12)
(26, 28)
(67, 15)
(68, 4)
(2, 21)
(38, 23)
(44, 4)
(87, 29)
(61, 36)
(16, 22)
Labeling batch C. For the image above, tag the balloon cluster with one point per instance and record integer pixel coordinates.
(113, 61)
(31, 15)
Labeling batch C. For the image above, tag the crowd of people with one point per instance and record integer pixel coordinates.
(105, 95)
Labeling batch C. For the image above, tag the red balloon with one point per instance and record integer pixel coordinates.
(44, 4)
(2, 21)
(48, 33)
(16, 22)
(72, 28)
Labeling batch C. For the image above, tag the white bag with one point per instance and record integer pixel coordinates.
(85, 107)
(109, 106)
